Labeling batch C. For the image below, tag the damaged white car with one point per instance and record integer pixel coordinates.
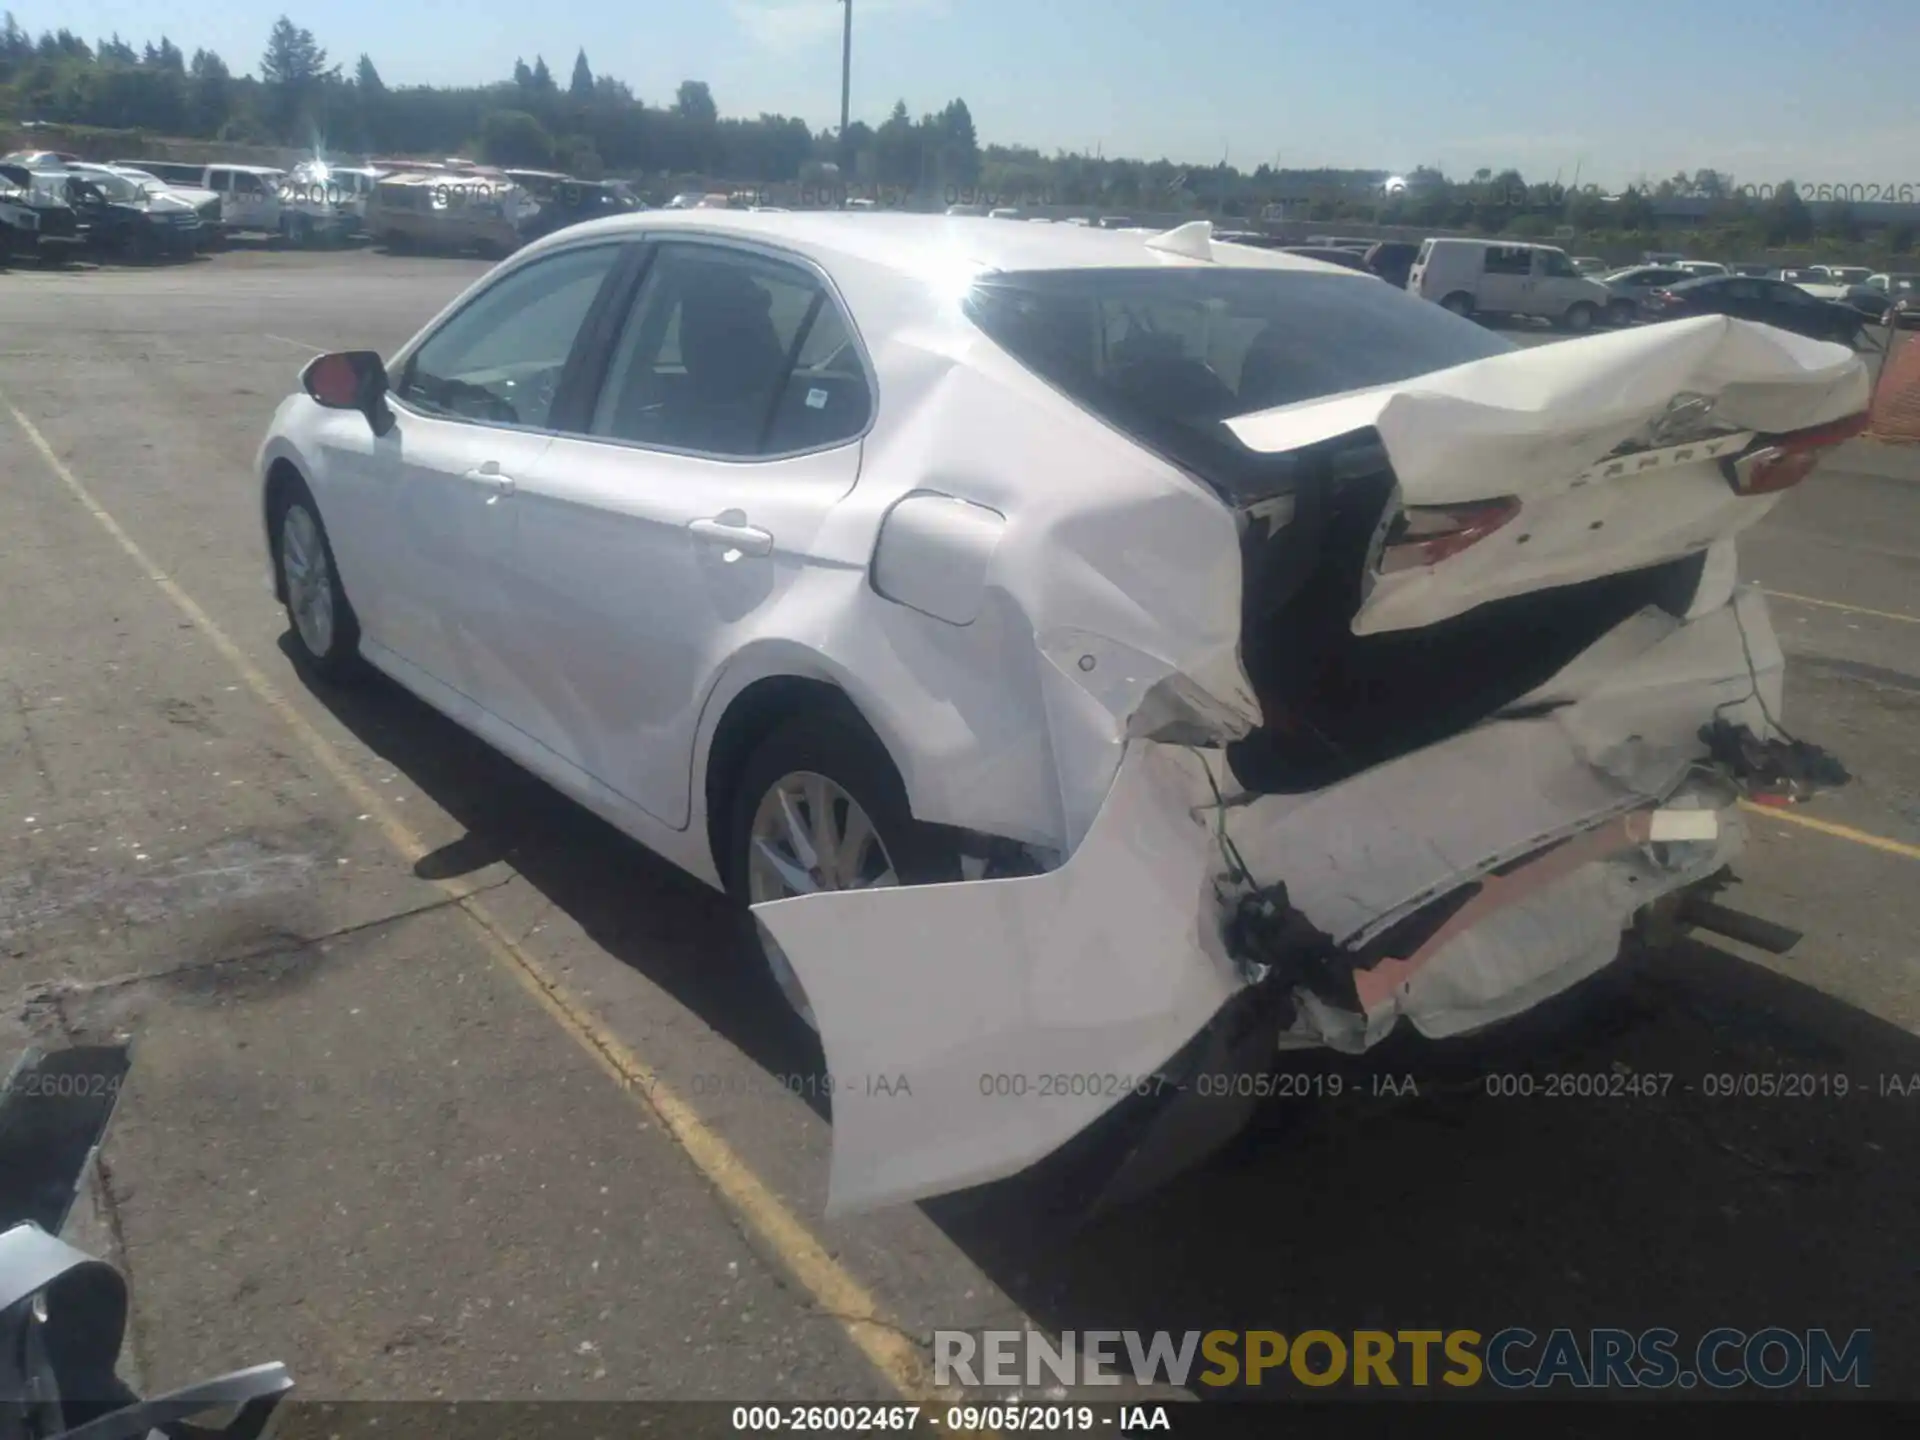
(1096, 657)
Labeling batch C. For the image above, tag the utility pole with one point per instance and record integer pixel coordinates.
(846, 80)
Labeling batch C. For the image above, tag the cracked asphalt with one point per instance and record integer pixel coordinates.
(357, 1141)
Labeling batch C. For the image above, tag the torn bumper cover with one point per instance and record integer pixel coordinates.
(972, 1029)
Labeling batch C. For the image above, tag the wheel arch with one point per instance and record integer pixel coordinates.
(283, 479)
(746, 718)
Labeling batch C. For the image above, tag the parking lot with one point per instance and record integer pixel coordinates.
(443, 1089)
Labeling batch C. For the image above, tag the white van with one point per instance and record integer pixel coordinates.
(1492, 277)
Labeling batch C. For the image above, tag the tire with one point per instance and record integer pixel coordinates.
(1579, 317)
(1460, 303)
(320, 618)
(835, 746)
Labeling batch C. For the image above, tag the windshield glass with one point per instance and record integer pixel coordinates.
(1168, 354)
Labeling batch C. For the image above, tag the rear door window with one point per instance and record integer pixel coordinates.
(1509, 260)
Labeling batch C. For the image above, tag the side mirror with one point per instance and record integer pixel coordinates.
(351, 380)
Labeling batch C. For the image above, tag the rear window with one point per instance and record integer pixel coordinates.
(1167, 355)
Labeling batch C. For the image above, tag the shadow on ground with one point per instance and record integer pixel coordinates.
(1478, 1196)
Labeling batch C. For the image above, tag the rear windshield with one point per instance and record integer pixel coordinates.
(1166, 355)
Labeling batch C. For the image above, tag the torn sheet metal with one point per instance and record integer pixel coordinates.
(1360, 856)
(1541, 425)
(972, 1028)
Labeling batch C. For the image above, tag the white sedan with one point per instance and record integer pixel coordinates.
(1099, 659)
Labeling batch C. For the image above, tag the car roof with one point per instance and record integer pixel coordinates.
(911, 244)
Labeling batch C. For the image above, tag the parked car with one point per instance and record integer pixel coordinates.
(39, 159)
(1003, 212)
(1115, 222)
(19, 220)
(1798, 275)
(324, 204)
(1897, 287)
(1844, 274)
(1770, 302)
(1237, 617)
(1329, 255)
(205, 203)
(1259, 239)
(249, 194)
(1700, 268)
(1628, 289)
(1905, 311)
(1392, 261)
(1341, 242)
(138, 219)
(56, 230)
(573, 202)
(1591, 265)
(1752, 267)
(448, 213)
(1489, 277)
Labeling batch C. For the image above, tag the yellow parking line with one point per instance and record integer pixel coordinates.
(1841, 832)
(832, 1288)
(1850, 609)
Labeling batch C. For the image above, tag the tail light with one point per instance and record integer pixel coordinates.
(1786, 460)
(1664, 297)
(1425, 535)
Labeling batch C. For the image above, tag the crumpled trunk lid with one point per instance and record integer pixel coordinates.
(1611, 445)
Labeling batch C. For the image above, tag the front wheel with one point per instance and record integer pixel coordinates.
(1579, 318)
(326, 633)
(1460, 303)
(820, 807)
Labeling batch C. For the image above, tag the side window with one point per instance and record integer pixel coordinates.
(1509, 260)
(245, 184)
(1556, 265)
(221, 180)
(732, 354)
(500, 358)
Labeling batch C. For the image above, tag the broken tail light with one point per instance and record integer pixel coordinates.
(1785, 460)
(1423, 535)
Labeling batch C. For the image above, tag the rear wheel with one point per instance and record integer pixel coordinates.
(325, 631)
(1460, 303)
(820, 807)
(1579, 317)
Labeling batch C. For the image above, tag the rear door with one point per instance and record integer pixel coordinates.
(649, 546)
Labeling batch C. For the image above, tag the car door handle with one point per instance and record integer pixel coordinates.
(747, 539)
(490, 476)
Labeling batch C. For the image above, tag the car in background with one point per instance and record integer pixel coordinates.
(1770, 302)
(1341, 242)
(1114, 222)
(1752, 267)
(574, 202)
(1004, 212)
(57, 230)
(973, 210)
(19, 221)
(39, 159)
(1488, 277)
(1392, 260)
(1700, 268)
(1901, 292)
(1799, 275)
(1845, 274)
(448, 214)
(936, 692)
(205, 203)
(1258, 239)
(137, 219)
(1661, 257)
(1328, 254)
(1591, 265)
(1629, 288)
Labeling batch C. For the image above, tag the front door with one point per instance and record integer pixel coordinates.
(649, 549)
(473, 404)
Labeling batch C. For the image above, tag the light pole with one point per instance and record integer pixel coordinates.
(846, 79)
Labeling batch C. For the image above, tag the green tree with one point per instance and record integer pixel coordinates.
(1786, 217)
(522, 76)
(541, 82)
(368, 78)
(513, 137)
(694, 101)
(293, 76)
(581, 87)
(209, 93)
(117, 51)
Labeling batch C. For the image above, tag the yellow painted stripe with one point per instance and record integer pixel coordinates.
(1838, 831)
(832, 1288)
(1850, 609)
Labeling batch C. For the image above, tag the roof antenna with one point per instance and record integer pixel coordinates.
(1193, 240)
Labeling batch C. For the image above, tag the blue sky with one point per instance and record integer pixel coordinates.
(1765, 89)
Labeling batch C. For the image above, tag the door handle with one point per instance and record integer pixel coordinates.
(724, 532)
(490, 476)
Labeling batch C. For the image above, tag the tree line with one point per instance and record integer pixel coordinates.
(593, 124)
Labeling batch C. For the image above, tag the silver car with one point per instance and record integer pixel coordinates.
(1631, 286)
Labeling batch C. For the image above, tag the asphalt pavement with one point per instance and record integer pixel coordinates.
(444, 1089)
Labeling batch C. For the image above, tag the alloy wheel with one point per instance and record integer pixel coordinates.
(309, 579)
